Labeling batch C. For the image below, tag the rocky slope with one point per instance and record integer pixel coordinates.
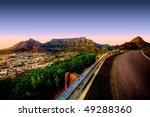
(29, 45)
(136, 43)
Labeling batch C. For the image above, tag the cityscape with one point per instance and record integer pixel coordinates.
(13, 64)
(48, 46)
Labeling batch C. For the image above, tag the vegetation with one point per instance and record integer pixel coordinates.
(43, 83)
(111, 48)
(147, 48)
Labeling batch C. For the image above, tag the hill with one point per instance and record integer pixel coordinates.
(54, 45)
(30, 45)
(136, 43)
(23, 46)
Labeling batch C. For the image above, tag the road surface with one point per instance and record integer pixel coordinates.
(126, 76)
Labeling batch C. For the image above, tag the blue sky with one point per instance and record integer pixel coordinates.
(103, 22)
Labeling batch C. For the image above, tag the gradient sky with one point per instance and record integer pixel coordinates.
(112, 22)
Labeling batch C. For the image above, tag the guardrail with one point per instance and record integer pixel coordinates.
(73, 91)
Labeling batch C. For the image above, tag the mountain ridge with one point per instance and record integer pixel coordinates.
(52, 45)
(69, 44)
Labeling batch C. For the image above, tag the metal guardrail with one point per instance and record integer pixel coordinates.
(74, 90)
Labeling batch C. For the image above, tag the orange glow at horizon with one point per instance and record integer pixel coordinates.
(10, 40)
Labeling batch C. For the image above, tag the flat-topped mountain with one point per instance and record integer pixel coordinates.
(52, 45)
(68, 42)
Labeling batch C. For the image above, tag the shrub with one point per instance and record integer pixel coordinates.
(43, 83)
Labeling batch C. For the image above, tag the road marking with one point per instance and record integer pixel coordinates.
(145, 55)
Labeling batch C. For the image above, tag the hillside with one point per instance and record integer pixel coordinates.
(136, 43)
(29, 45)
(70, 44)
(54, 45)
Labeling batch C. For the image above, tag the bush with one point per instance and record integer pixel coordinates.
(43, 83)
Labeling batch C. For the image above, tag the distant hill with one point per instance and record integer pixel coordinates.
(29, 45)
(54, 45)
(68, 42)
(101, 45)
(136, 43)
(71, 44)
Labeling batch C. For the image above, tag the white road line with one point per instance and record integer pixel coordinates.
(145, 55)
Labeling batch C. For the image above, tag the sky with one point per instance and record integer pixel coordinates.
(103, 21)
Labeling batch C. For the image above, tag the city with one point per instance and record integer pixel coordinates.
(15, 64)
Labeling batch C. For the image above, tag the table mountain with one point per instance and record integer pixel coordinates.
(54, 45)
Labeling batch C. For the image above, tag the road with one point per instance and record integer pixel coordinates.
(126, 76)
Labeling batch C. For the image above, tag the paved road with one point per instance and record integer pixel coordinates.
(126, 76)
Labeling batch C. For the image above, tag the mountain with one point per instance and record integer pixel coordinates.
(70, 44)
(138, 39)
(136, 43)
(101, 45)
(54, 45)
(30, 45)
(23, 46)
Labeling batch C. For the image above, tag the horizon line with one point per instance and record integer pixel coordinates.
(111, 40)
